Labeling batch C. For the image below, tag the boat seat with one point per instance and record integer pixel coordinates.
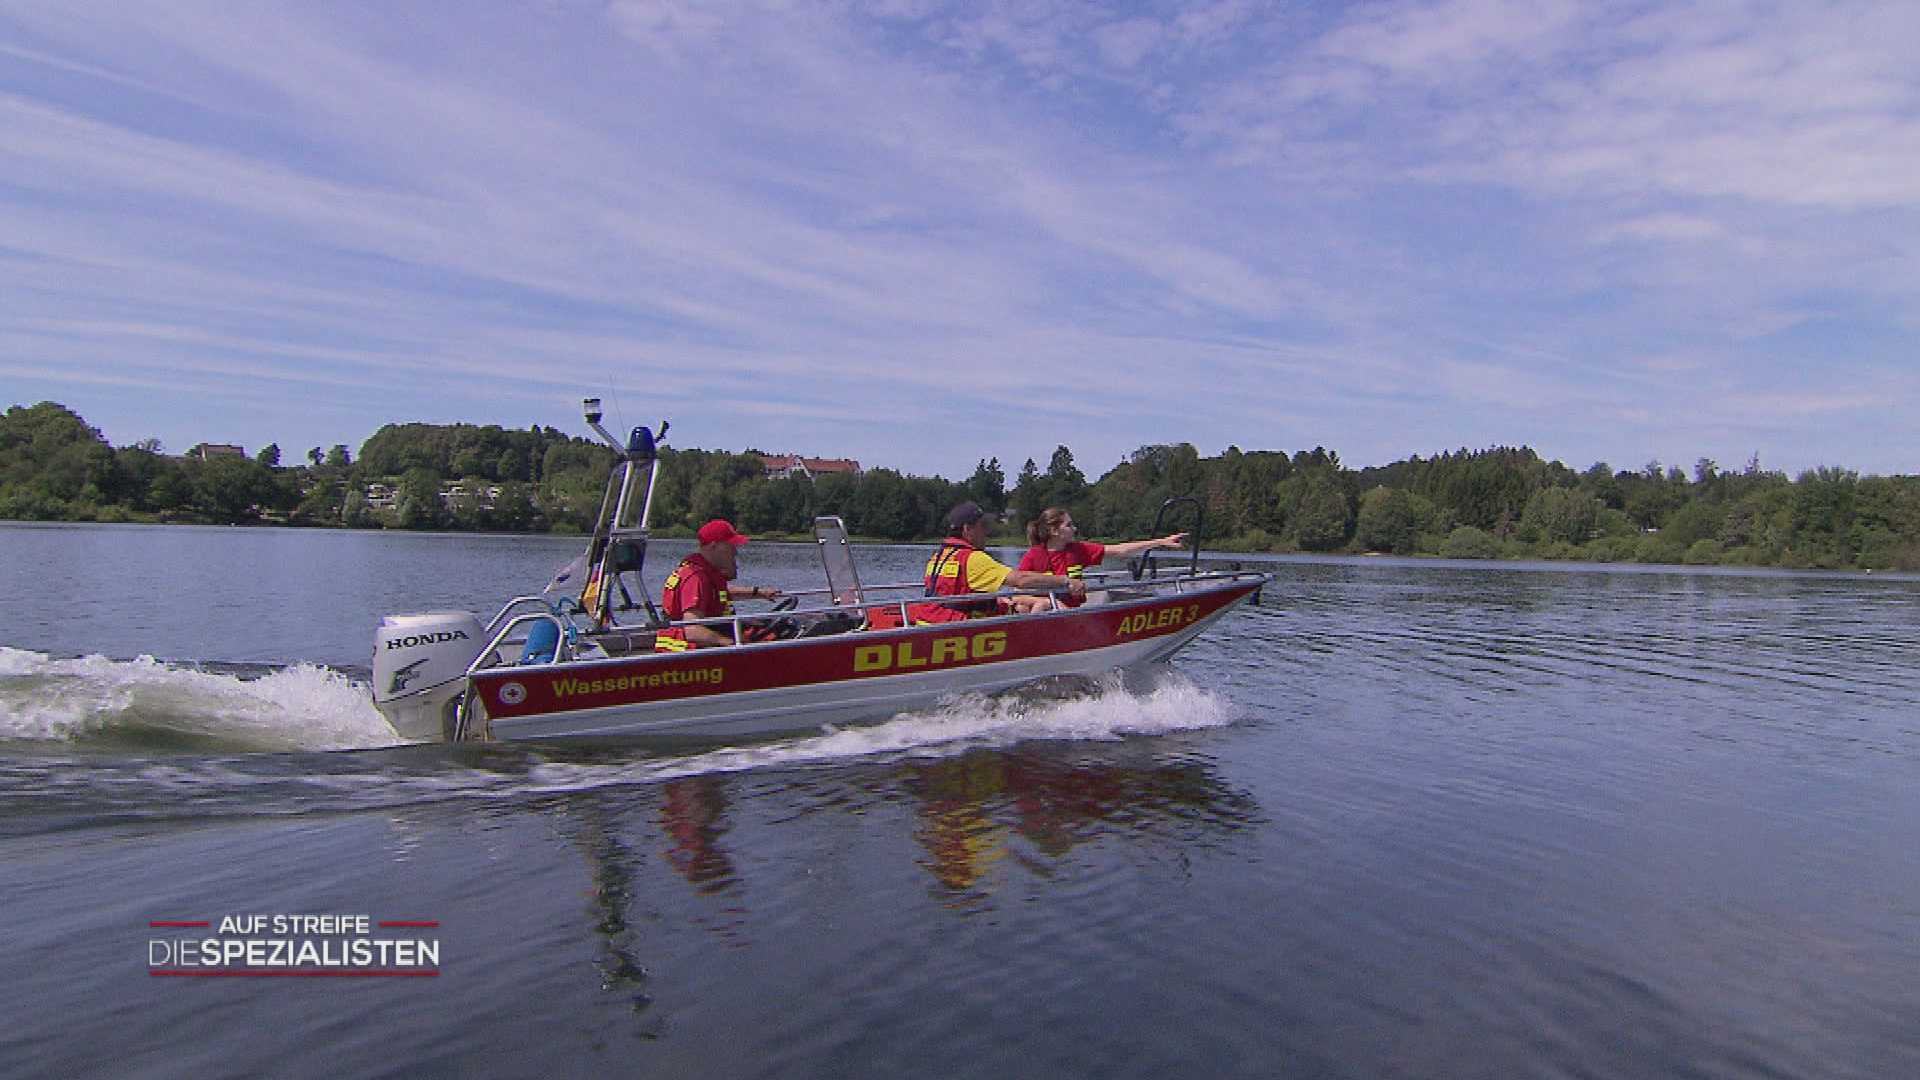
(543, 643)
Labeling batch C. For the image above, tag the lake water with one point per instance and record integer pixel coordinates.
(1406, 819)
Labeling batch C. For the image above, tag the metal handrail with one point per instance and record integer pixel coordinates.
(738, 621)
(1147, 562)
(490, 657)
(514, 603)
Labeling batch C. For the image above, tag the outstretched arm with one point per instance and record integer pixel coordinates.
(1135, 547)
(1033, 579)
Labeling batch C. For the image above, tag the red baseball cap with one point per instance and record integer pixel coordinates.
(718, 531)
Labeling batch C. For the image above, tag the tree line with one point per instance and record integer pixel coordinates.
(1503, 502)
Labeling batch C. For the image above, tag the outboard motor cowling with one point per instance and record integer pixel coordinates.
(419, 670)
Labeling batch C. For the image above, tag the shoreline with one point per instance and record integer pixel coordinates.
(1212, 554)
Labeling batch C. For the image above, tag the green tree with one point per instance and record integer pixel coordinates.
(468, 461)
(1185, 476)
(417, 500)
(1254, 492)
(50, 459)
(1069, 481)
(1029, 494)
(231, 489)
(1560, 515)
(1318, 516)
(884, 507)
(322, 503)
(1467, 542)
(712, 498)
(170, 491)
(834, 494)
(140, 471)
(1483, 489)
(988, 485)
(1391, 520)
(1696, 521)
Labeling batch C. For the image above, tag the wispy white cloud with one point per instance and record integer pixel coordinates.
(925, 233)
(1795, 106)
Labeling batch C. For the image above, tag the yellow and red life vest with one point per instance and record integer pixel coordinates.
(947, 576)
(674, 638)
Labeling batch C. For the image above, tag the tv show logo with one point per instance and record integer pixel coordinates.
(295, 945)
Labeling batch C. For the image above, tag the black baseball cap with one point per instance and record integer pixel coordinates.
(964, 515)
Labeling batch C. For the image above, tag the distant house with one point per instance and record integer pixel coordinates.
(784, 465)
(461, 495)
(214, 450)
(380, 496)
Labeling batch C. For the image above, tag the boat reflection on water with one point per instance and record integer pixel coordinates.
(985, 807)
(693, 815)
(611, 869)
(980, 819)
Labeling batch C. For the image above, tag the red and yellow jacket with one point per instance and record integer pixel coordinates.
(694, 585)
(960, 569)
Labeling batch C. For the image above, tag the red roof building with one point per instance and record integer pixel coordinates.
(780, 465)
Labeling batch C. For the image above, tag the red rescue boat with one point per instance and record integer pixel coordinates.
(575, 670)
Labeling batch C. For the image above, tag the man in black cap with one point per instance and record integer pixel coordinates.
(961, 568)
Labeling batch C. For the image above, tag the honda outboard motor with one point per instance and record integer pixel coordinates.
(420, 668)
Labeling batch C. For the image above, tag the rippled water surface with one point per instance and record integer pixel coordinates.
(1402, 820)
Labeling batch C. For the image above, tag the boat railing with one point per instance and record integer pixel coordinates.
(900, 599)
(1147, 565)
(1099, 580)
(544, 604)
(521, 636)
(534, 646)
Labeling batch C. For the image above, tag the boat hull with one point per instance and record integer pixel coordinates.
(805, 684)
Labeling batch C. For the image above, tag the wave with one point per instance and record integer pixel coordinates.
(94, 702)
(1155, 701)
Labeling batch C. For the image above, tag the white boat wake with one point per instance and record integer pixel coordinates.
(94, 700)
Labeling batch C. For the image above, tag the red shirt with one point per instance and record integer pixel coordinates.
(1069, 561)
(1074, 557)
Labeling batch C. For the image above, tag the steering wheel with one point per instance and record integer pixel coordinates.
(779, 629)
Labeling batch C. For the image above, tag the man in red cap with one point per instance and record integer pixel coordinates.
(697, 589)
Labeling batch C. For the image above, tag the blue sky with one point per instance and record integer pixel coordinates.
(921, 234)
